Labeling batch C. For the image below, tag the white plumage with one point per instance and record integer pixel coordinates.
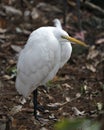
(47, 50)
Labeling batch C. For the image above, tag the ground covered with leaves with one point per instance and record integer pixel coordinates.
(78, 88)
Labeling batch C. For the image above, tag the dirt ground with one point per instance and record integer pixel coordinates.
(78, 88)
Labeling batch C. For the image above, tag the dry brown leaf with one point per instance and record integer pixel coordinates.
(11, 10)
(80, 35)
(22, 100)
(5, 45)
(92, 53)
(14, 123)
(56, 78)
(48, 7)
(8, 2)
(68, 99)
(2, 25)
(91, 67)
(78, 95)
(99, 106)
(16, 48)
(57, 104)
(100, 41)
(72, 3)
(77, 112)
(2, 30)
(49, 97)
(35, 14)
(22, 127)
(43, 128)
(7, 77)
(11, 62)
(52, 116)
(15, 109)
(67, 86)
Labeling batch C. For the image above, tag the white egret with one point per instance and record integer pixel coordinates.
(46, 51)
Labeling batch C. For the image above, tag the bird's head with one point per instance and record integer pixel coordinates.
(73, 40)
(63, 35)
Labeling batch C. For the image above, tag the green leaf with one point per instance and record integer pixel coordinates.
(69, 124)
(77, 124)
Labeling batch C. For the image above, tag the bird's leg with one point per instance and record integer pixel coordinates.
(36, 105)
(35, 94)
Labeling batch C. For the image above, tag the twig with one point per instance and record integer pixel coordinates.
(94, 8)
(6, 121)
(79, 15)
(28, 4)
(64, 11)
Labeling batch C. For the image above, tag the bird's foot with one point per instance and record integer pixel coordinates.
(45, 88)
(42, 120)
(40, 108)
(37, 117)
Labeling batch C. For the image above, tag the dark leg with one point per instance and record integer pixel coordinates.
(35, 94)
(36, 105)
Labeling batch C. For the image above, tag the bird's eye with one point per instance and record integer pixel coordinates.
(63, 37)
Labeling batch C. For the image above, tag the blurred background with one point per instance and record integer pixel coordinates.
(78, 89)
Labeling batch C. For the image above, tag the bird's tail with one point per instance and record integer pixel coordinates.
(21, 87)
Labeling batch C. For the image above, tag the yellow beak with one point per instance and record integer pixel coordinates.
(71, 39)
